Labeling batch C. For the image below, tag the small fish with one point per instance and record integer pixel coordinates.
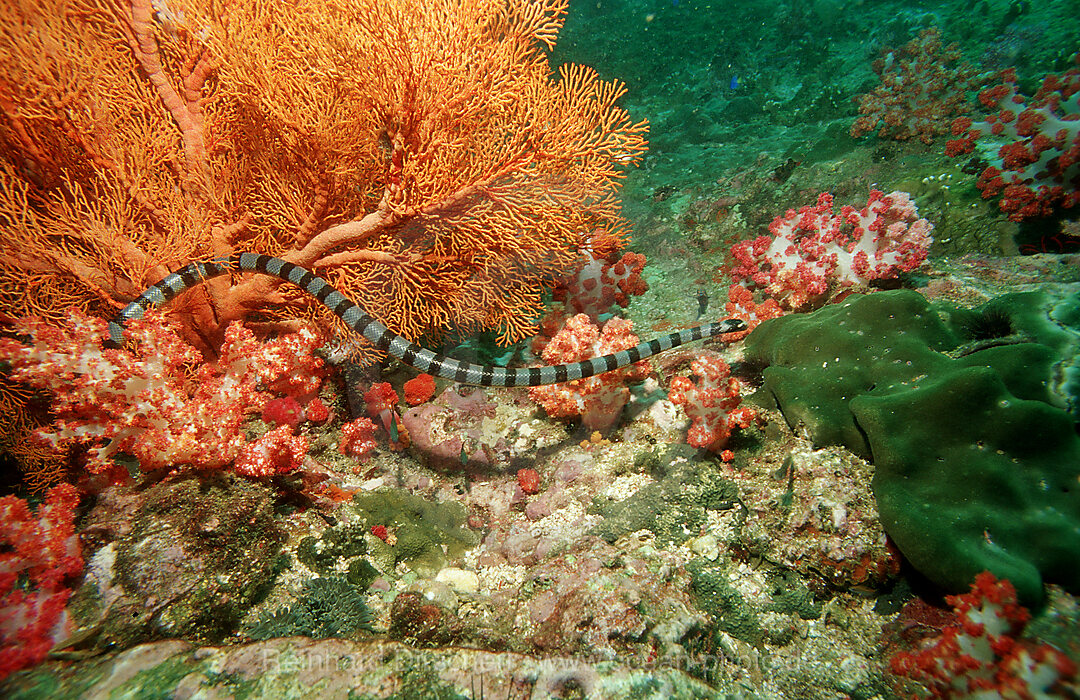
(702, 303)
(734, 84)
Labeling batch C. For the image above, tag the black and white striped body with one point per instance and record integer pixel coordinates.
(382, 337)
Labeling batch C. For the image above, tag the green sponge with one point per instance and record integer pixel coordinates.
(968, 477)
(976, 462)
(818, 362)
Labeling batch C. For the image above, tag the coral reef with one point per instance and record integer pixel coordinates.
(183, 558)
(364, 532)
(325, 607)
(426, 535)
(467, 428)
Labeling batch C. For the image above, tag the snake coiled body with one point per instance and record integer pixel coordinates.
(383, 338)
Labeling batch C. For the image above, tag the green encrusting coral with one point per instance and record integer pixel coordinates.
(962, 413)
(321, 554)
(676, 506)
(425, 535)
(327, 606)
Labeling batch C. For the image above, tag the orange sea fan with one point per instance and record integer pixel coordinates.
(422, 155)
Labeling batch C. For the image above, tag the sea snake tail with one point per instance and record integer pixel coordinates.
(383, 338)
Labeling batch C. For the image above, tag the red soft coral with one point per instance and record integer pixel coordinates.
(599, 399)
(158, 402)
(982, 653)
(42, 548)
(741, 305)
(419, 389)
(358, 438)
(276, 452)
(284, 410)
(712, 404)
(317, 411)
(381, 404)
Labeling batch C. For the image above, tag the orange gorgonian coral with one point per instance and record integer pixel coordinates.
(421, 155)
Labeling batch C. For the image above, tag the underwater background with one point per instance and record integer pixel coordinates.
(873, 491)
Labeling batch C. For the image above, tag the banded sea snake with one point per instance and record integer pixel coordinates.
(383, 338)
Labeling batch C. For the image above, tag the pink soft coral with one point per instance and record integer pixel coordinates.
(814, 251)
(604, 276)
(712, 404)
(923, 85)
(160, 402)
(599, 399)
(1032, 145)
